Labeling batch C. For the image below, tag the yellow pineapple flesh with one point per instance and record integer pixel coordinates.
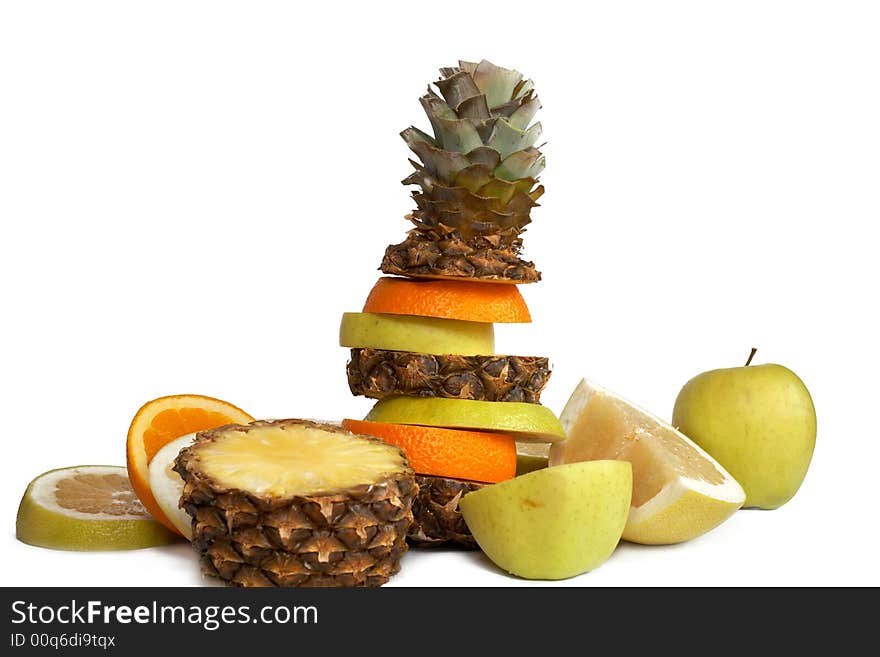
(297, 503)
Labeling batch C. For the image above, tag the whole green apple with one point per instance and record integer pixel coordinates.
(758, 421)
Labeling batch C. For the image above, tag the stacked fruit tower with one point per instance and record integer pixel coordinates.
(423, 346)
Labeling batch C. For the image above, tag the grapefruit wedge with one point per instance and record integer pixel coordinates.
(86, 507)
(679, 491)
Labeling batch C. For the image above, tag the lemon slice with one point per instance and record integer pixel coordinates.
(167, 486)
(679, 491)
(525, 422)
(87, 507)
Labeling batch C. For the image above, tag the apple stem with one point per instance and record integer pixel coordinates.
(751, 355)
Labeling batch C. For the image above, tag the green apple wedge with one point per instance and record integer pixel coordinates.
(553, 523)
(426, 335)
(758, 421)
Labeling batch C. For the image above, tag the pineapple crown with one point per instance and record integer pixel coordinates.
(478, 173)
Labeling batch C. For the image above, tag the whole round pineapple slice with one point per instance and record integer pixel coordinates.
(297, 503)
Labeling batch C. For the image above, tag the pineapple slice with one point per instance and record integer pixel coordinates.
(380, 373)
(297, 503)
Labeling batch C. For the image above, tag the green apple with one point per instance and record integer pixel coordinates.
(427, 335)
(531, 456)
(758, 421)
(523, 421)
(552, 523)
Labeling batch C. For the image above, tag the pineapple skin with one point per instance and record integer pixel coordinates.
(351, 538)
(379, 373)
(437, 520)
(429, 252)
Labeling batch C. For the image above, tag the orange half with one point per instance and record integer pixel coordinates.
(472, 455)
(162, 420)
(466, 300)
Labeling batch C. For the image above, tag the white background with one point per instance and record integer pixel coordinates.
(191, 193)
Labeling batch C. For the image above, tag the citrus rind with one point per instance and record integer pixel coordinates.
(167, 486)
(43, 522)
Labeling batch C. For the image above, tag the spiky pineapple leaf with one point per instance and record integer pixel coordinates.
(437, 110)
(526, 163)
(507, 139)
(457, 88)
(524, 87)
(420, 177)
(468, 67)
(413, 135)
(475, 108)
(441, 163)
(505, 201)
(521, 204)
(484, 155)
(525, 113)
(462, 197)
(478, 174)
(496, 82)
(506, 110)
(524, 185)
(458, 136)
(436, 106)
(500, 189)
(537, 167)
(474, 177)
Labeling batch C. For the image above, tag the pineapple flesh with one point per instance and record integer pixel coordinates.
(379, 373)
(477, 176)
(297, 503)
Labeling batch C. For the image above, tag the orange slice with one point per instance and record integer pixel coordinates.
(472, 455)
(466, 300)
(162, 420)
